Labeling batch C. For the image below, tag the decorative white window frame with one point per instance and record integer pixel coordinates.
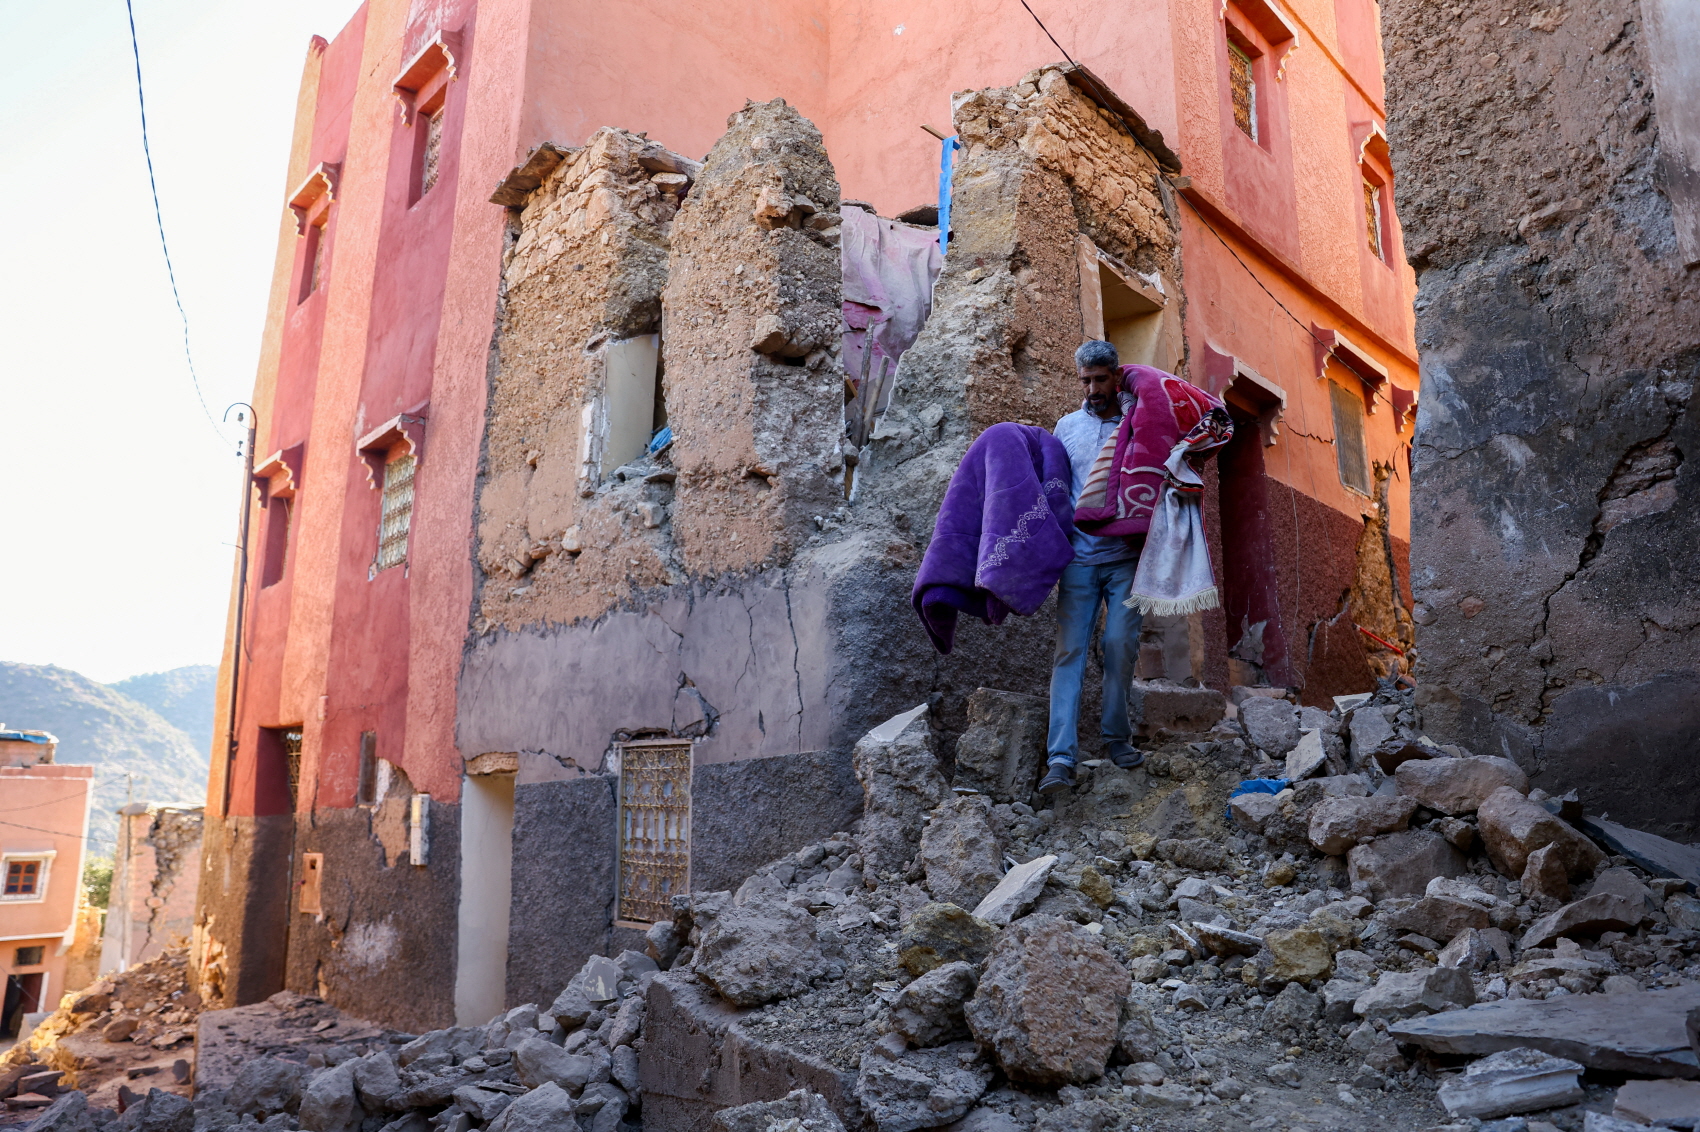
(43, 879)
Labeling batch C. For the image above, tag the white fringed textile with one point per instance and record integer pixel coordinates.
(1174, 575)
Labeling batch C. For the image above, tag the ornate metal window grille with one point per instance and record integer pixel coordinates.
(433, 148)
(1243, 84)
(655, 828)
(1372, 217)
(397, 512)
(292, 764)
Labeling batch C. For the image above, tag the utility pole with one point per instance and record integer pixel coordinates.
(241, 597)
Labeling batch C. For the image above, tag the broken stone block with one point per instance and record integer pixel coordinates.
(943, 933)
(901, 783)
(1301, 954)
(628, 1022)
(1095, 888)
(1337, 824)
(1225, 941)
(538, 1061)
(69, 1112)
(1458, 832)
(1002, 749)
(1546, 874)
(266, 1086)
(1338, 995)
(1172, 819)
(1468, 951)
(1512, 1081)
(1271, 725)
(1402, 864)
(1400, 994)
(1656, 855)
(1049, 1003)
(1016, 892)
(1138, 1040)
(1511, 827)
(1441, 917)
(1251, 811)
(1307, 756)
(1159, 705)
(329, 1102)
(664, 943)
(1683, 911)
(1458, 786)
(623, 1067)
(483, 1105)
(161, 1111)
(1197, 853)
(546, 1108)
(1294, 1007)
(1143, 1073)
(960, 853)
(1617, 902)
(799, 1111)
(760, 952)
(928, 1011)
(920, 1088)
(1670, 1104)
(377, 1083)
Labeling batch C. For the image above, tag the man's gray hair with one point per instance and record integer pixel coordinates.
(1097, 353)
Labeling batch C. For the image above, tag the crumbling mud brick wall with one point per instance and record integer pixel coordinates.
(1554, 505)
(156, 869)
(726, 589)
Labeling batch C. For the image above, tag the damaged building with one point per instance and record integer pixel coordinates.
(601, 432)
(1547, 159)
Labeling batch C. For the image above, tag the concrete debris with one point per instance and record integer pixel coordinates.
(928, 1011)
(937, 934)
(1049, 1003)
(920, 1088)
(1252, 811)
(1403, 994)
(959, 852)
(1669, 1104)
(1002, 748)
(1512, 827)
(797, 1111)
(759, 952)
(1272, 726)
(1016, 892)
(1512, 1081)
(899, 772)
(1458, 786)
(1337, 824)
(1307, 756)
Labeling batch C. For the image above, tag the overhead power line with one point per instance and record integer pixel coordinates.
(159, 220)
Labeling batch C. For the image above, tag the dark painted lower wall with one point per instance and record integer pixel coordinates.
(384, 949)
(243, 907)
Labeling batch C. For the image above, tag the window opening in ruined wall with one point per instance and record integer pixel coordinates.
(1376, 170)
(292, 764)
(397, 513)
(1348, 405)
(26, 878)
(1242, 85)
(655, 828)
(1372, 218)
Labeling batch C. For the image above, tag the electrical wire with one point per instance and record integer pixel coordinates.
(55, 832)
(159, 220)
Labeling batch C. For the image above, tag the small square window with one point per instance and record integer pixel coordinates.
(23, 879)
(1372, 218)
(397, 514)
(29, 956)
(1242, 82)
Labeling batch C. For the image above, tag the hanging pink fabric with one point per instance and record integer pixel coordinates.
(889, 270)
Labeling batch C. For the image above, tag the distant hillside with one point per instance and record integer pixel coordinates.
(183, 696)
(110, 731)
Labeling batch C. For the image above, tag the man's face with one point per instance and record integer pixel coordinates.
(1100, 384)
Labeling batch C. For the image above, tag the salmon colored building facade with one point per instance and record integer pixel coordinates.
(44, 818)
(352, 784)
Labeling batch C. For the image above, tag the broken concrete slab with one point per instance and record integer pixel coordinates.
(1512, 827)
(1656, 855)
(1337, 824)
(1002, 749)
(1667, 1103)
(1271, 725)
(1307, 757)
(1402, 864)
(1016, 892)
(1512, 1081)
(1641, 1033)
(1458, 786)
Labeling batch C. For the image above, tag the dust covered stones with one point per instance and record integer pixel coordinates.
(762, 951)
(1048, 1003)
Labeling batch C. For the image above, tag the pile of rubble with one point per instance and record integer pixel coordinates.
(129, 1029)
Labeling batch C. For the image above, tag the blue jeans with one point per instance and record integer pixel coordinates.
(1081, 592)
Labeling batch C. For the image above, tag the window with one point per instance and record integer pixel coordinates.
(423, 88)
(1242, 83)
(29, 956)
(311, 204)
(397, 513)
(277, 542)
(655, 828)
(432, 151)
(1372, 218)
(25, 878)
(292, 764)
(314, 259)
(366, 790)
(312, 876)
(1349, 451)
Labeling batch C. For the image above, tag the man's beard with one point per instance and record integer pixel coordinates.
(1096, 401)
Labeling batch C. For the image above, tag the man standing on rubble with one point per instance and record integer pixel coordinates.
(1100, 576)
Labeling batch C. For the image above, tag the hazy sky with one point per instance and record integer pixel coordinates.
(118, 499)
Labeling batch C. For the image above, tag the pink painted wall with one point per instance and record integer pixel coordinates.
(44, 808)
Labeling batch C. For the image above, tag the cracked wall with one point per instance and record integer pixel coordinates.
(1558, 602)
(155, 873)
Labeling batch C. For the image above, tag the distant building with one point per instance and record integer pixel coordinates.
(44, 817)
(155, 867)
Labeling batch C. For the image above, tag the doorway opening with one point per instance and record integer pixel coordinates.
(486, 886)
(23, 996)
(1257, 645)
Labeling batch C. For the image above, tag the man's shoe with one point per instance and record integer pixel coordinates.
(1060, 777)
(1127, 760)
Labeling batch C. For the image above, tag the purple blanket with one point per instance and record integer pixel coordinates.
(1001, 540)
